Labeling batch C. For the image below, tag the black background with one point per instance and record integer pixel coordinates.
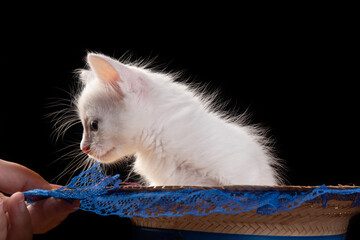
(295, 71)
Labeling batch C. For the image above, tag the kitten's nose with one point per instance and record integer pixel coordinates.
(86, 149)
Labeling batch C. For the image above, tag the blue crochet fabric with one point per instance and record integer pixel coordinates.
(107, 195)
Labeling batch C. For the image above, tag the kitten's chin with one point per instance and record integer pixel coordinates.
(110, 156)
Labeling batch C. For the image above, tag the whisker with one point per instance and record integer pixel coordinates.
(65, 171)
(73, 166)
(64, 118)
(74, 146)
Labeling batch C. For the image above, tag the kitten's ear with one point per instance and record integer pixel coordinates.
(121, 77)
(103, 68)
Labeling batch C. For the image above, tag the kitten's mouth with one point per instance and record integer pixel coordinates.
(105, 155)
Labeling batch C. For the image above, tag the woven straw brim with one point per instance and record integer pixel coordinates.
(309, 219)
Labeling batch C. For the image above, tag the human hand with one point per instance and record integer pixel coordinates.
(45, 214)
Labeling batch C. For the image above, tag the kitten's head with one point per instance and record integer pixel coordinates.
(109, 107)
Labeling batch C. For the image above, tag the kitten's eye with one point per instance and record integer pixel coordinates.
(94, 125)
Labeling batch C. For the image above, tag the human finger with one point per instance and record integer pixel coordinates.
(19, 218)
(47, 214)
(17, 178)
(3, 221)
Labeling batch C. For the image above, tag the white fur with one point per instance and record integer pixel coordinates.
(177, 138)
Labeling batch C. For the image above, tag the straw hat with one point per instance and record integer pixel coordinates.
(327, 213)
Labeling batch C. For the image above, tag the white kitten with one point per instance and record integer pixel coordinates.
(176, 137)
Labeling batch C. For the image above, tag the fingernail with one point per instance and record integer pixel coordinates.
(21, 203)
(1, 206)
(55, 187)
(76, 204)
